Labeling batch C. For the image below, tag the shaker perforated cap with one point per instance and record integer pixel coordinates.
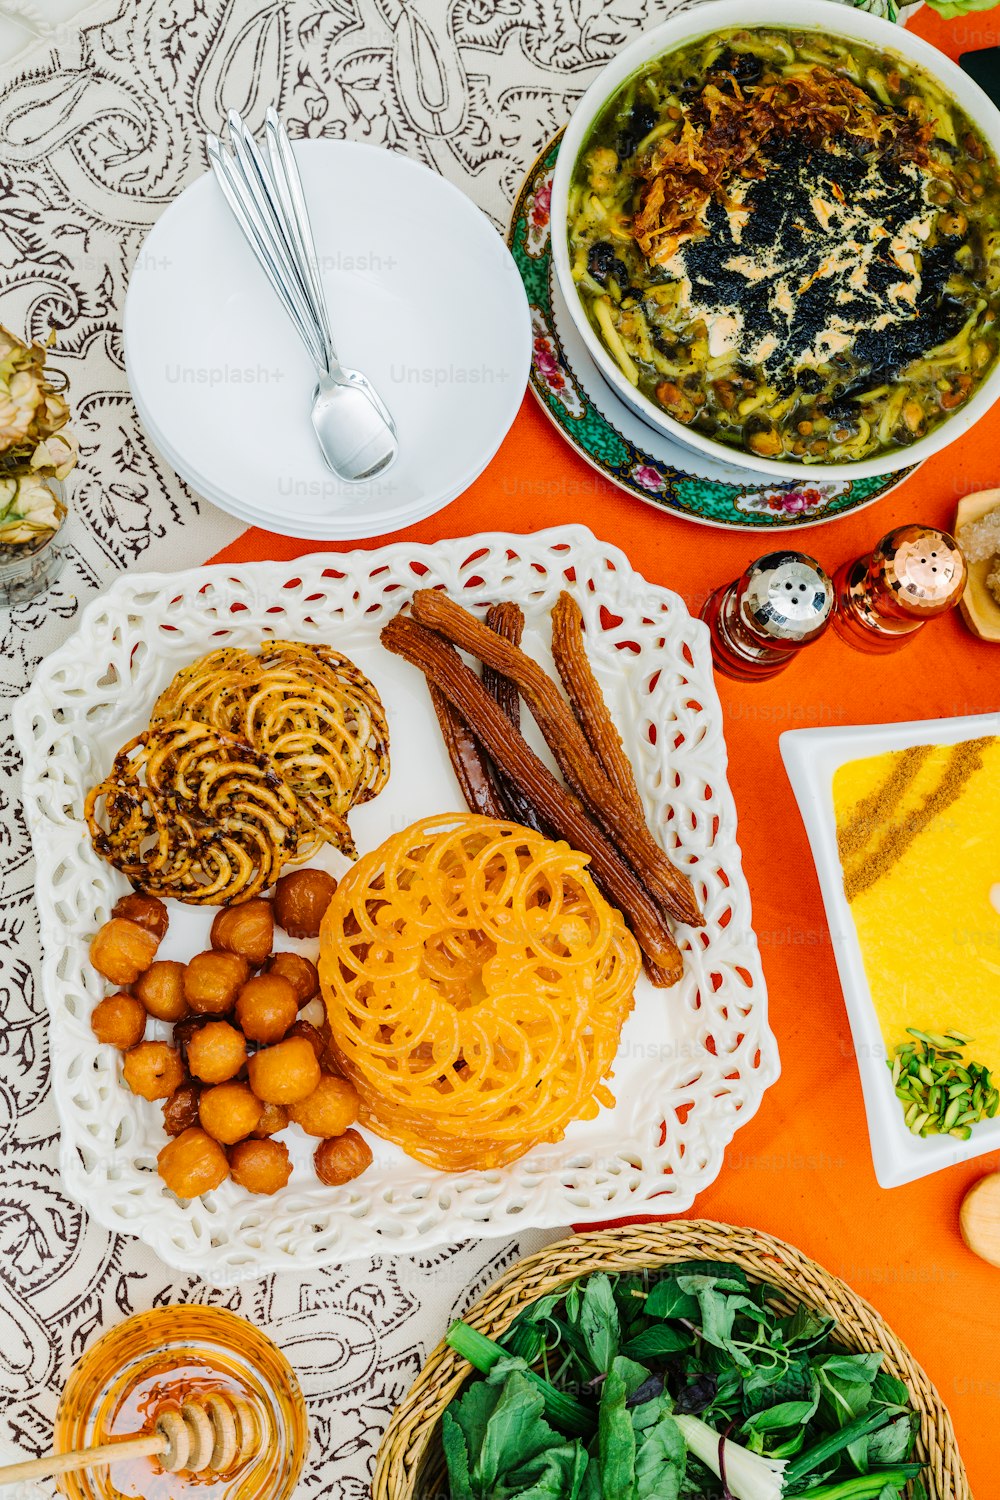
(785, 597)
(921, 570)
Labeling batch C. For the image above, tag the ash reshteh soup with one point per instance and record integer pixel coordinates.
(788, 241)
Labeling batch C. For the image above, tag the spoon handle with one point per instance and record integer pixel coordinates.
(288, 184)
(82, 1458)
(293, 212)
(270, 256)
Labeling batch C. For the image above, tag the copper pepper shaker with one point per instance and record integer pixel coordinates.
(884, 598)
(782, 602)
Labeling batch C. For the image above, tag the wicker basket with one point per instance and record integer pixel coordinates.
(410, 1466)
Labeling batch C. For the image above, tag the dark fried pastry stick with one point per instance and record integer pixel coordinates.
(445, 670)
(669, 886)
(467, 761)
(507, 619)
(589, 703)
(591, 709)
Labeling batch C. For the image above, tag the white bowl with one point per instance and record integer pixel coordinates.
(832, 18)
(812, 757)
(224, 388)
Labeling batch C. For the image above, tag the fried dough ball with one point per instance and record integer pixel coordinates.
(247, 930)
(186, 1029)
(122, 950)
(212, 981)
(180, 1111)
(300, 901)
(284, 1073)
(260, 1166)
(216, 1052)
(153, 1070)
(329, 1109)
(148, 911)
(341, 1160)
(266, 1008)
(312, 1036)
(119, 1020)
(229, 1112)
(274, 1118)
(192, 1164)
(300, 973)
(161, 990)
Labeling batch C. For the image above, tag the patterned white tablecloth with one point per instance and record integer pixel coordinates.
(101, 123)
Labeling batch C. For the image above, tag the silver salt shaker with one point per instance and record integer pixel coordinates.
(782, 602)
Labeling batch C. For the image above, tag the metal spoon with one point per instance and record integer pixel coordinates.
(355, 431)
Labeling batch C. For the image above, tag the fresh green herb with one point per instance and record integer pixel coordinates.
(687, 1386)
(940, 1093)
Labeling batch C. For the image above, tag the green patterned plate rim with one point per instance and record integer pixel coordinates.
(558, 385)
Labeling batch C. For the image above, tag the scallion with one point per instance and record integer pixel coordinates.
(563, 1411)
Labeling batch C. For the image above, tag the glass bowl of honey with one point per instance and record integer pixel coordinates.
(167, 1356)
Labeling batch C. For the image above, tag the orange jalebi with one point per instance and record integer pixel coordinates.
(476, 984)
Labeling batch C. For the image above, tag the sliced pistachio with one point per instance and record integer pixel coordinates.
(940, 1094)
(951, 1114)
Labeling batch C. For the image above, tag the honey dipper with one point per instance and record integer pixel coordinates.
(211, 1432)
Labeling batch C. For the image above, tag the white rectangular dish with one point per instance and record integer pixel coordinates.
(694, 1061)
(812, 757)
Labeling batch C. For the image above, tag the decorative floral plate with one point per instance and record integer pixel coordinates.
(613, 440)
(694, 1060)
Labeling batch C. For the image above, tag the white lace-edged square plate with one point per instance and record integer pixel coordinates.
(694, 1061)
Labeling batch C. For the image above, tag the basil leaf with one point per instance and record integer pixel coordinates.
(660, 1339)
(846, 1382)
(633, 1374)
(599, 1323)
(785, 1414)
(805, 1328)
(667, 1300)
(890, 1392)
(796, 1382)
(730, 1278)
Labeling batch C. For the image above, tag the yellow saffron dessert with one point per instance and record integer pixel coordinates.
(919, 838)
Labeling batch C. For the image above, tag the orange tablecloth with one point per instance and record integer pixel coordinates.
(802, 1168)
